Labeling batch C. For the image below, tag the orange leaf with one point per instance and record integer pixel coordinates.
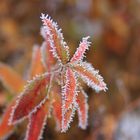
(11, 80)
(36, 64)
(3, 98)
(37, 122)
(82, 109)
(6, 129)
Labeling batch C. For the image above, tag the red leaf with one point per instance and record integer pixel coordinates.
(79, 54)
(69, 90)
(36, 64)
(57, 106)
(63, 116)
(82, 109)
(6, 129)
(11, 80)
(55, 39)
(67, 118)
(37, 122)
(90, 76)
(68, 99)
(47, 56)
(32, 98)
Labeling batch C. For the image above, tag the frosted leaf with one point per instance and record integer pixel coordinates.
(37, 122)
(10, 79)
(59, 48)
(46, 56)
(90, 76)
(69, 89)
(82, 108)
(67, 118)
(36, 64)
(32, 98)
(79, 54)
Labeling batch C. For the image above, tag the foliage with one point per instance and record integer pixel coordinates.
(54, 88)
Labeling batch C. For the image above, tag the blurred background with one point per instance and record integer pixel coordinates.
(114, 27)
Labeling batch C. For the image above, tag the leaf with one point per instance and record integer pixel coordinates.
(67, 118)
(36, 64)
(6, 129)
(82, 109)
(55, 39)
(10, 79)
(33, 96)
(69, 90)
(37, 122)
(69, 94)
(79, 54)
(47, 56)
(62, 116)
(57, 106)
(90, 76)
(3, 98)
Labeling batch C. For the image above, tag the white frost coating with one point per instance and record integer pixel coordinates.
(88, 67)
(59, 34)
(80, 52)
(26, 88)
(81, 125)
(63, 88)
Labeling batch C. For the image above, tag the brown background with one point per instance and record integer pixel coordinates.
(114, 27)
